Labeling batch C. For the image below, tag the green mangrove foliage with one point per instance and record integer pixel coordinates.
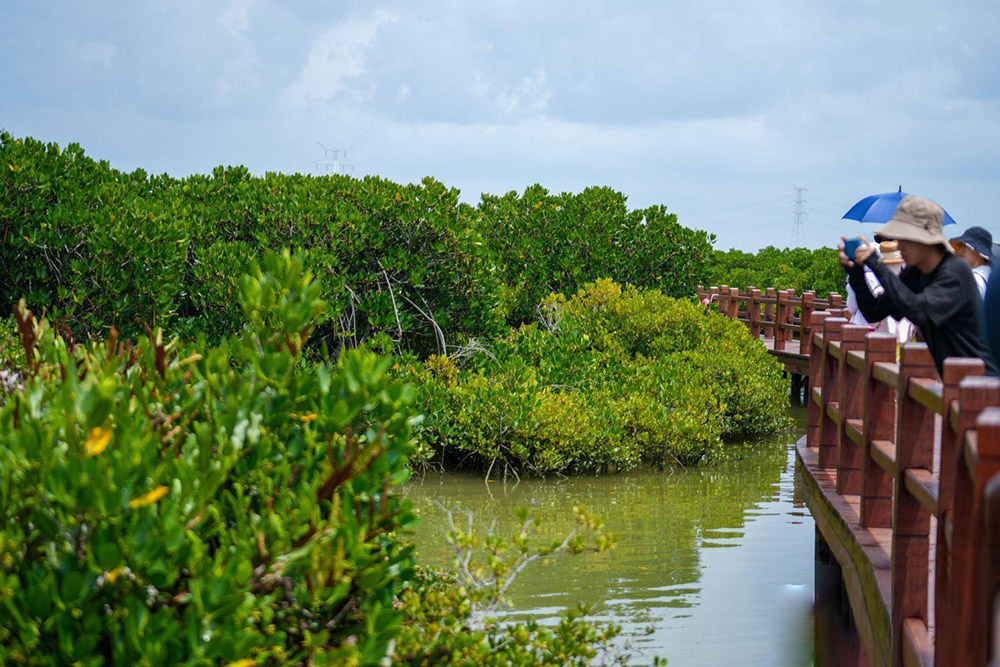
(545, 243)
(183, 503)
(407, 265)
(169, 504)
(800, 269)
(605, 379)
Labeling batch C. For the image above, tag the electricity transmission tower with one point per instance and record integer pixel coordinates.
(798, 214)
(331, 162)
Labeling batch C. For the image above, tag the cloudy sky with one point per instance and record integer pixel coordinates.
(714, 109)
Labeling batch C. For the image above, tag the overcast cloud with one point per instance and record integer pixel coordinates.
(714, 109)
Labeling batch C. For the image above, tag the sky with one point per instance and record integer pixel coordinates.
(712, 109)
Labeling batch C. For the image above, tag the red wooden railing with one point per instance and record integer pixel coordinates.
(914, 446)
(778, 315)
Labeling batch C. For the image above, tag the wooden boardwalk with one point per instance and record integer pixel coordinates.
(900, 469)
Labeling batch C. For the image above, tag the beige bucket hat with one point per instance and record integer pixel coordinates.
(917, 219)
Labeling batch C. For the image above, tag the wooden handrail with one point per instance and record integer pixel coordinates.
(928, 393)
(780, 315)
(872, 422)
(886, 373)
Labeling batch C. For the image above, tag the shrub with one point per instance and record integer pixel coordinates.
(95, 247)
(611, 377)
(544, 243)
(170, 503)
(166, 503)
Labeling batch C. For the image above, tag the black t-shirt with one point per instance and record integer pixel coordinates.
(944, 305)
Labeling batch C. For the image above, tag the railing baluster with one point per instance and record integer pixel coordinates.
(955, 370)
(991, 515)
(769, 332)
(753, 308)
(879, 424)
(831, 393)
(910, 519)
(987, 484)
(780, 317)
(976, 395)
(808, 301)
(851, 392)
(816, 356)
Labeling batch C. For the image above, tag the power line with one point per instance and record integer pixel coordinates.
(824, 200)
(738, 207)
(775, 212)
(736, 223)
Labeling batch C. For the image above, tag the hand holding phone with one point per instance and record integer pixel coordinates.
(851, 246)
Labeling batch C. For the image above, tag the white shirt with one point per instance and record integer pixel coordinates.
(874, 286)
(982, 276)
(903, 329)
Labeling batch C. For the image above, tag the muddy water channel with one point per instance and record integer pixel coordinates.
(712, 566)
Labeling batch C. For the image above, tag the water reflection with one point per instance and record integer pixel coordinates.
(712, 566)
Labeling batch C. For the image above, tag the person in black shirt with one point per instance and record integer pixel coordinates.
(991, 314)
(936, 291)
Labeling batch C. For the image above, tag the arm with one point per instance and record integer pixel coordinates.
(939, 301)
(875, 307)
(874, 286)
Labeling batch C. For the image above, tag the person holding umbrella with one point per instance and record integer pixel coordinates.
(975, 246)
(936, 291)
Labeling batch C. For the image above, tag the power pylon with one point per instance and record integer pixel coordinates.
(798, 214)
(331, 162)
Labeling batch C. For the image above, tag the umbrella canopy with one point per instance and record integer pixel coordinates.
(880, 208)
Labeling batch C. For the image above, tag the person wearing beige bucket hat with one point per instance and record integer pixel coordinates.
(936, 291)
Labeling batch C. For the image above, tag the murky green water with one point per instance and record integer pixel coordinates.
(712, 566)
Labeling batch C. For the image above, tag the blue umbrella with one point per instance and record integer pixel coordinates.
(880, 208)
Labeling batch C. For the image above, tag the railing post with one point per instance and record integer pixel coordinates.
(910, 519)
(879, 424)
(987, 469)
(831, 393)
(836, 301)
(808, 299)
(976, 396)
(814, 408)
(753, 311)
(851, 385)
(724, 300)
(734, 303)
(781, 315)
(991, 516)
(769, 293)
(952, 456)
(713, 296)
